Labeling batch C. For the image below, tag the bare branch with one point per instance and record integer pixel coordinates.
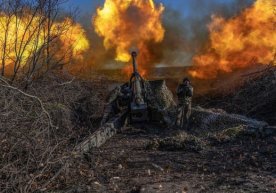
(7, 85)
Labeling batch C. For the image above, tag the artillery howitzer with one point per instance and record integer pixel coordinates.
(153, 101)
(139, 111)
(141, 100)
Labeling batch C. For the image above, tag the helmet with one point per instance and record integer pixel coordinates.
(186, 80)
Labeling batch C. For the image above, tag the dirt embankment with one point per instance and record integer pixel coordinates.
(255, 95)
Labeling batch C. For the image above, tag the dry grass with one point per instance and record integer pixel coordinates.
(39, 129)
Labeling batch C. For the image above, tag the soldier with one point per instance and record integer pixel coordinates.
(117, 102)
(184, 94)
(124, 98)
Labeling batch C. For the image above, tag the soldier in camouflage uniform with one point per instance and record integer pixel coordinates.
(184, 108)
(117, 102)
(124, 98)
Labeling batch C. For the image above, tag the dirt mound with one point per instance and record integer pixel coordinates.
(255, 98)
(180, 141)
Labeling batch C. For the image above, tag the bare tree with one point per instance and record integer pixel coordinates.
(32, 45)
(5, 24)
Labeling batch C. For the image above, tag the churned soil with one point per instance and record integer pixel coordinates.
(150, 158)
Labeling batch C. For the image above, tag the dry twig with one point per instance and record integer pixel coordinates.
(7, 85)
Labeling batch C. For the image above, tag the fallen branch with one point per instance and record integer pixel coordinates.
(7, 85)
(68, 82)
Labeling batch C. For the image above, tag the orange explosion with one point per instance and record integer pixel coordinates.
(23, 37)
(74, 39)
(236, 42)
(130, 24)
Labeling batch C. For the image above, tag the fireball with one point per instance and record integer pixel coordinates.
(237, 42)
(124, 25)
(24, 37)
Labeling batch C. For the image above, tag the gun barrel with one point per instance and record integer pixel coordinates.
(134, 55)
(138, 106)
(137, 82)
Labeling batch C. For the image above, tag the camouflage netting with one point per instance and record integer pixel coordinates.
(217, 119)
(161, 102)
(206, 120)
(159, 95)
(159, 98)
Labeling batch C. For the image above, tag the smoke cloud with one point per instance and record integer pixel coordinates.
(186, 34)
